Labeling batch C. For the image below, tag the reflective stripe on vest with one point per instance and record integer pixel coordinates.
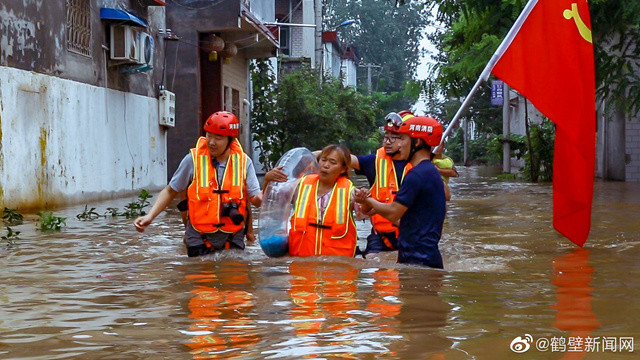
(384, 188)
(335, 233)
(205, 195)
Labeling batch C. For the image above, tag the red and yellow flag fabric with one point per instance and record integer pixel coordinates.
(550, 62)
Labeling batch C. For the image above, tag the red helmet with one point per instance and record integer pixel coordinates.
(423, 127)
(222, 123)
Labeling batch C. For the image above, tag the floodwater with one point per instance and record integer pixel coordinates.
(99, 290)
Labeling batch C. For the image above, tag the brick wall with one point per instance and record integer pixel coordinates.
(296, 33)
(632, 134)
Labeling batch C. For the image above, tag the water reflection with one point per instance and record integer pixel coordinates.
(424, 314)
(572, 277)
(385, 303)
(100, 290)
(220, 309)
(323, 295)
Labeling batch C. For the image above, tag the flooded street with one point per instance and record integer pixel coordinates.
(100, 290)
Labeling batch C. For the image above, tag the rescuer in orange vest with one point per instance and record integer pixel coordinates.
(420, 204)
(322, 222)
(385, 172)
(220, 180)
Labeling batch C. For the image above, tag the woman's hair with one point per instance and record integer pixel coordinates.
(344, 155)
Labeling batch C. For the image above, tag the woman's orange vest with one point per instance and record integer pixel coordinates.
(335, 233)
(385, 188)
(206, 197)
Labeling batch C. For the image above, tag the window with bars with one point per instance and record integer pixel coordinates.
(79, 26)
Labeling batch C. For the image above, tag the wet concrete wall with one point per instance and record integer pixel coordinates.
(62, 142)
(75, 127)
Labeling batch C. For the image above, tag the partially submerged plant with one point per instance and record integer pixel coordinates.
(11, 235)
(50, 222)
(111, 211)
(136, 208)
(88, 214)
(11, 217)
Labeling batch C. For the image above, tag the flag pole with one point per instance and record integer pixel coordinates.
(484, 76)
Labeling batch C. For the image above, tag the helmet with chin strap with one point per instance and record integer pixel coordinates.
(423, 127)
(223, 123)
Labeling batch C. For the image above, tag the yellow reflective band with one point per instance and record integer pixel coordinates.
(303, 201)
(204, 171)
(236, 170)
(383, 173)
(340, 212)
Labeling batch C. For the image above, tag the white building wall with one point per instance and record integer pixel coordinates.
(632, 152)
(349, 69)
(64, 142)
(308, 33)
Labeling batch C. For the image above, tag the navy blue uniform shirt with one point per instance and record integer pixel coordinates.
(422, 192)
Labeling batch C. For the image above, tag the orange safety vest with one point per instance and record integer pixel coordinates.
(206, 197)
(335, 233)
(385, 188)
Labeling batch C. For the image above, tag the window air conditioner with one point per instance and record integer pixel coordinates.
(146, 49)
(124, 43)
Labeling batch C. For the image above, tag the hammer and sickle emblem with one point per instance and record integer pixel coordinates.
(574, 14)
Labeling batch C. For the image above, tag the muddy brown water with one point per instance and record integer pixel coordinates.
(99, 290)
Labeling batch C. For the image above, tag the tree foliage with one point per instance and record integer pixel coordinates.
(473, 29)
(385, 34)
(616, 33)
(301, 111)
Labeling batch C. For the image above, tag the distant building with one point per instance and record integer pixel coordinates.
(298, 42)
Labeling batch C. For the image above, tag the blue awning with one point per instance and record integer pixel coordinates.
(121, 15)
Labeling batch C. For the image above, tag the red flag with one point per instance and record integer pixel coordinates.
(550, 62)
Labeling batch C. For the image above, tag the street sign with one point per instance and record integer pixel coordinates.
(497, 92)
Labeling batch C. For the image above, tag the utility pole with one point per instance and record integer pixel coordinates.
(506, 146)
(466, 142)
(319, 50)
(370, 75)
(369, 78)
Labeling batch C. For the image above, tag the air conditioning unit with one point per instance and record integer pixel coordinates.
(145, 46)
(167, 108)
(124, 43)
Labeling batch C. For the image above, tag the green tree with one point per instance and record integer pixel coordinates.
(265, 126)
(471, 30)
(384, 34)
(302, 112)
(616, 34)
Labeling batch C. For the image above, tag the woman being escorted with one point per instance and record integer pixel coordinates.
(322, 222)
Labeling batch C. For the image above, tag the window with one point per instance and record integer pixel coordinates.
(226, 101)
(284, 37)
(79, 27)
(235, 103)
